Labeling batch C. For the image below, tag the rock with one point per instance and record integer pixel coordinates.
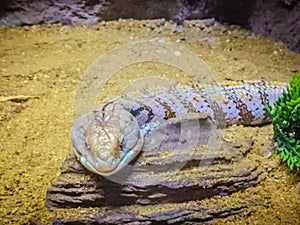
(169, 170)
(192, 215)
(172, 170)
(263, 17)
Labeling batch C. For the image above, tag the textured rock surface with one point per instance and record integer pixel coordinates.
(71, 12)
(167, 172)
(188, 215)
(264, 17)
(169, 169)
(76, 187)
(279, 20)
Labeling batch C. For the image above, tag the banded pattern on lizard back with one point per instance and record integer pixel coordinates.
(106, 139)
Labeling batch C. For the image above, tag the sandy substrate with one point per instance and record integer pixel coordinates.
(45, 64)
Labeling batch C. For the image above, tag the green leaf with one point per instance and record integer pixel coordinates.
(286, 122)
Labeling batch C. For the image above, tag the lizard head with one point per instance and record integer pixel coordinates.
(106, 141)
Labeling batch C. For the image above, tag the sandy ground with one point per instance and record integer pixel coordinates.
(45, 64)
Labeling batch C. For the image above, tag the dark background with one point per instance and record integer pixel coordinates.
(277, 19)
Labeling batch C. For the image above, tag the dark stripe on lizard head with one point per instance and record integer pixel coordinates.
(143, 107)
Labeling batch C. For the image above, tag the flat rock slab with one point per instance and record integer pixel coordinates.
(188, 215)
(172, 168)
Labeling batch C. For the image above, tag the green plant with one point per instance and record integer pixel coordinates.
(286, 121)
